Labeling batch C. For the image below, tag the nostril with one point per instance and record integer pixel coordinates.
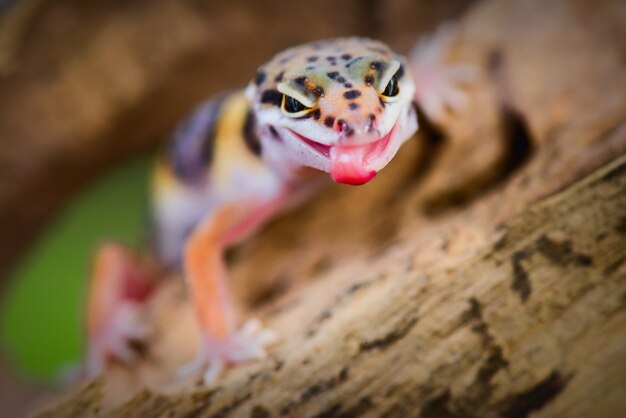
(345, 127)
(342, 125)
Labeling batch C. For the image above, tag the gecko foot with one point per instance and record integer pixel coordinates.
(114, 342)
(438, 84)
(120, 287)
(216, 354)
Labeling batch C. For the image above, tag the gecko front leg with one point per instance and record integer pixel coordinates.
(221, 344)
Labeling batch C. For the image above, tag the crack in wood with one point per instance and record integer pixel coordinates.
(336, 411)
(501, 242)
(617, 171)
(520, 405)
(389, 339)
(259, 411)
(621, 226)
(315, 390)
(613, 267)
(521, 283)
(438, 407)
(340, 299)
(480, 392)
(535, 398)
(227, 409)
(561, 253)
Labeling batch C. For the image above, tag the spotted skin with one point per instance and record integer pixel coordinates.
(340, 106)
(342, 69)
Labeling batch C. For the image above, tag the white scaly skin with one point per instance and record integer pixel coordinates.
(342, 106)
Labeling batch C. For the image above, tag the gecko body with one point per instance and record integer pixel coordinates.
(342, 106)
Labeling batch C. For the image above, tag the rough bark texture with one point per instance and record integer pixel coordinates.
(483, 274)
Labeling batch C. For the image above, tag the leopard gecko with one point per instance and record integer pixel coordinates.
(341, 106)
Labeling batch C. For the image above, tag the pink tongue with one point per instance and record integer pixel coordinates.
(347, 165)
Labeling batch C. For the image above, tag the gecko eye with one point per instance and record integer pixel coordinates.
(293, 107)
(392, 89)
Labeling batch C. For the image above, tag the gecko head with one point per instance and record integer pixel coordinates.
(343, 106)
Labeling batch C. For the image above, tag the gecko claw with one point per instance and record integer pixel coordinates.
(121, 284)
(113, 343)
(216, 355)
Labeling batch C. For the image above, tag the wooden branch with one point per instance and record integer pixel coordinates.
(531, 321)
(490, 283)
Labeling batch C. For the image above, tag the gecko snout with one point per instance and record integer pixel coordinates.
(359, 132)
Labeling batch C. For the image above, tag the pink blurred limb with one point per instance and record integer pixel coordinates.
(120, 286)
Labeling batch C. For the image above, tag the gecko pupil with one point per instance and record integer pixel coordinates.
(392, 88)
(292, 105)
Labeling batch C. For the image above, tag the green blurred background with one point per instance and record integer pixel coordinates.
(43, 309)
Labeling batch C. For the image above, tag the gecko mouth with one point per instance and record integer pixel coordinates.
(352, 164)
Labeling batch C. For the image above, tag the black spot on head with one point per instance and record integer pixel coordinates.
(351, 94)
(318, 91)
(300, 80)
(274, 133)
(369, 80)
(279, 77)
(348, 85)
(346, 57)
(341, 80)
(331, 58)
(353, 106)
(333, 75)
(312, 58)
(310, 67)
(260, 77)
(273, 97)
(329, 121)
(317, 114)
